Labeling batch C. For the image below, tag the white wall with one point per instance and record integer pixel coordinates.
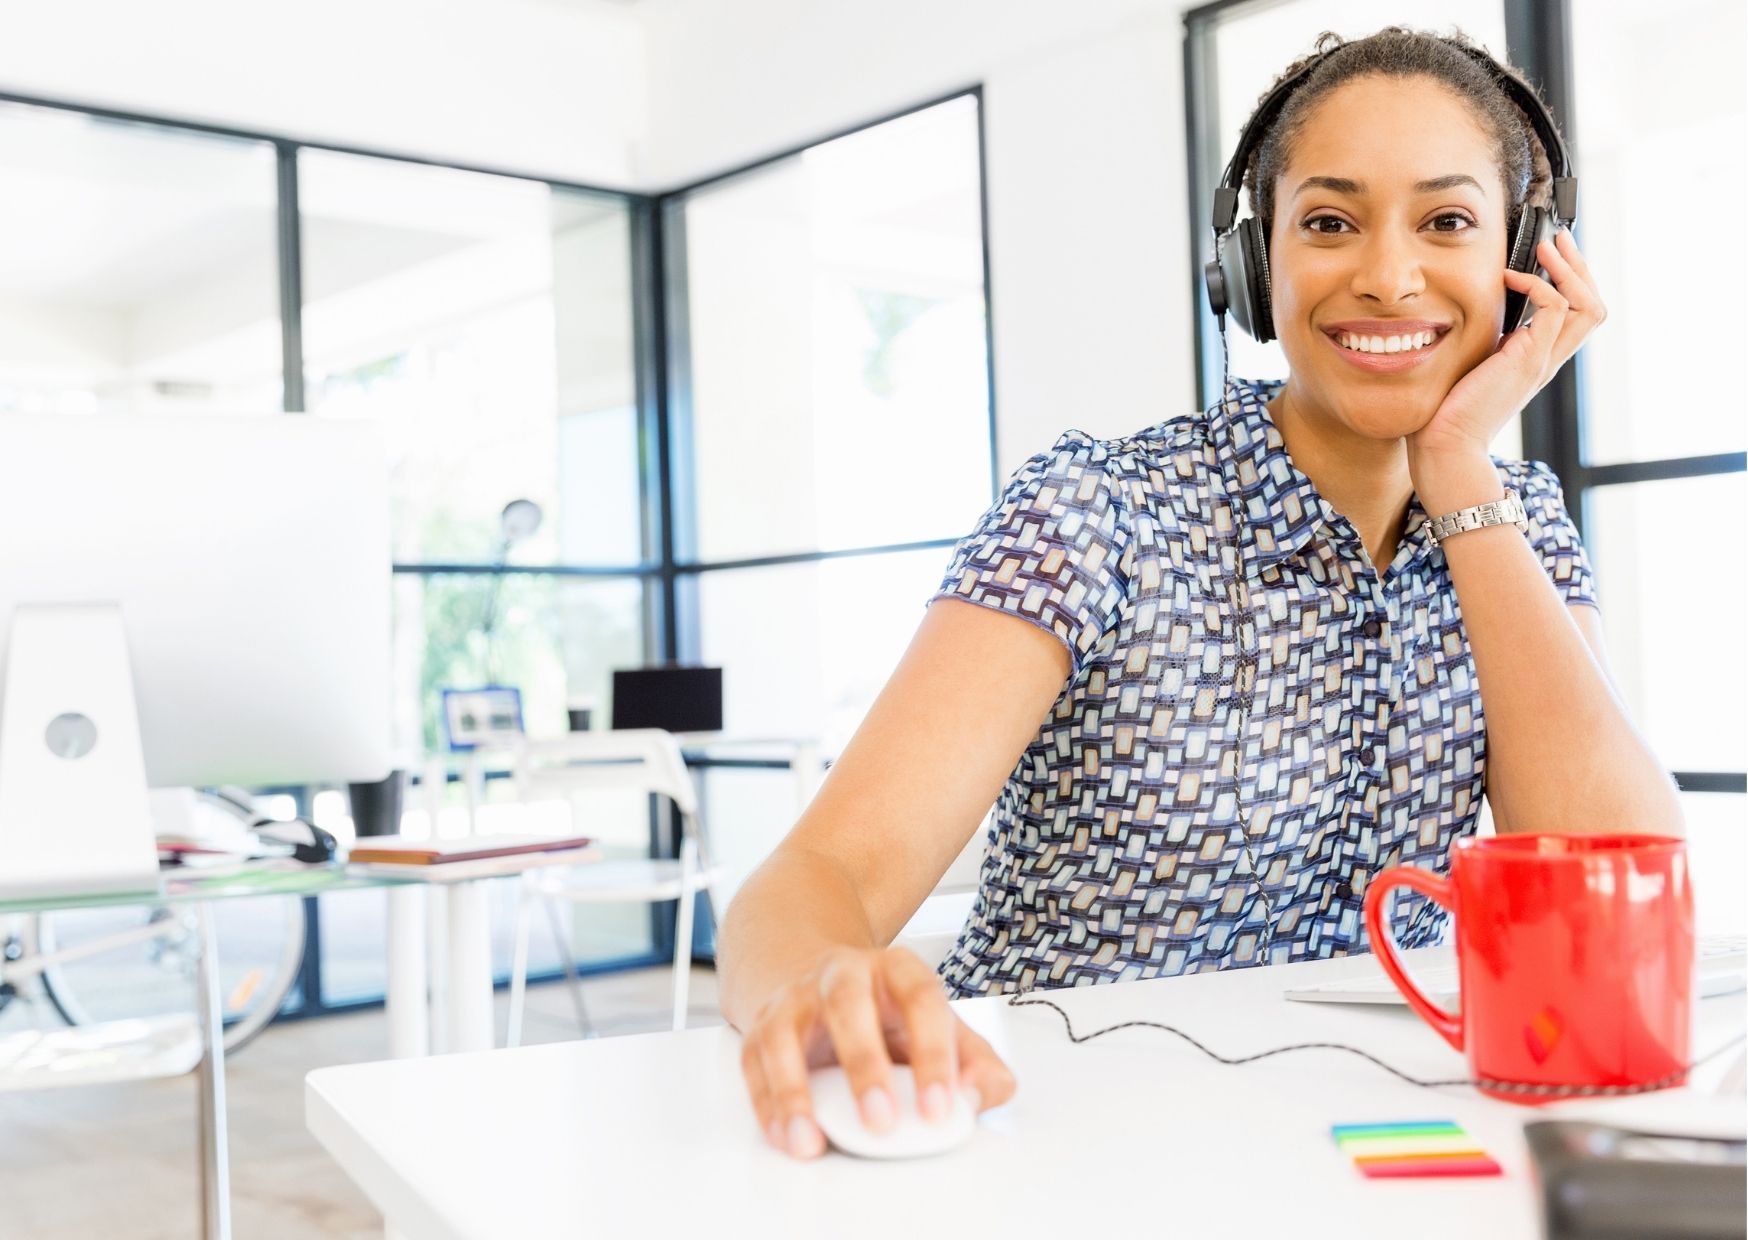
(541, 86)
(1088, 208)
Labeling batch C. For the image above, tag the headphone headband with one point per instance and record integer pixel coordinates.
(1225, 212)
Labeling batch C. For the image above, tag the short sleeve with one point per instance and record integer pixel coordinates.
(1551, 531)
(1050, 550)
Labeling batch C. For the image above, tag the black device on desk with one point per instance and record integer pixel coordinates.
(1603, 1183)
(674, 698)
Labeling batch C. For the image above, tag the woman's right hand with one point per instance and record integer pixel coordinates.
(864, 1008)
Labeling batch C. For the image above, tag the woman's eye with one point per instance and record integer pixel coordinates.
(1452, 222)
(1316, 224)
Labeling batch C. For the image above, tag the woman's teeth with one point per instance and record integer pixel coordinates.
(1387, 344)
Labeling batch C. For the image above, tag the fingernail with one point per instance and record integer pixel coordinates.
(804, 1139)
(878, 1112)
(971, 1095)
(934, 1102)
(774, 1134)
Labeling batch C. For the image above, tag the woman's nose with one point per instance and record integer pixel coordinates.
(1388, 268)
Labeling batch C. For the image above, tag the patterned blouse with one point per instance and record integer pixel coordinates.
(1256, 721)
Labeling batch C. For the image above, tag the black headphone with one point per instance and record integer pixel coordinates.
(1238, 274)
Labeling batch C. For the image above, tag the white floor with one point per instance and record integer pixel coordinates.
(119, 1162)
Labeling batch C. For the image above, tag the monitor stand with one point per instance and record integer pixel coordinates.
(73, 807)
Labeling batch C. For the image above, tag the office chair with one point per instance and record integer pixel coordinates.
(646, 759)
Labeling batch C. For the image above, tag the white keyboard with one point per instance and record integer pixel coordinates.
(1722, 970)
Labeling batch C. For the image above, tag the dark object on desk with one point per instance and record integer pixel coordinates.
(676, 699)
(376, 807)
(308, 842)
(1603, 1183)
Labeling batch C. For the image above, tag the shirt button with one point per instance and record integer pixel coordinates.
(1374, 628)
(1343, 890)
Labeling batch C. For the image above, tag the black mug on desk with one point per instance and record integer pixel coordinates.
(376, 807)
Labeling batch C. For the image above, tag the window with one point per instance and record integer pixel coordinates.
(1659, 477)
(138, 268)
(833, 427)
(810, 643)
(1633, 150)
(834, 319)
(832, 300)
(487, 322)
(555, 637)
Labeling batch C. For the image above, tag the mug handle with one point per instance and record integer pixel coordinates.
(1436, 889)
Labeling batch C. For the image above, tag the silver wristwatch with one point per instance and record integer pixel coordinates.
(1507, 511)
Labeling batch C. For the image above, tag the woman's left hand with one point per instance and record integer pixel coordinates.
(1489, 396)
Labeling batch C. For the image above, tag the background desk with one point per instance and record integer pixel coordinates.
(439, 928)
(1133, 1130)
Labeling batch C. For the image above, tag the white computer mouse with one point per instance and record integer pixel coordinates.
(834, 1107)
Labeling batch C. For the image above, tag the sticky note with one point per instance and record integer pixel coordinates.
(1412, 1148)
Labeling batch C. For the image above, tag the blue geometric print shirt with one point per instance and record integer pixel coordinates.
(1256, 722)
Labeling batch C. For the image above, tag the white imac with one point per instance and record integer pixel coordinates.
(184, 600)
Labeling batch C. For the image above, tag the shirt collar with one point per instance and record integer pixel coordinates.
(1280, 505)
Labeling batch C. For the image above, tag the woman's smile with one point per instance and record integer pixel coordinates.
(1383, 346)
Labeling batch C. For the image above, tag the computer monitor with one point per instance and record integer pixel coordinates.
(185, 600)
(678, 699)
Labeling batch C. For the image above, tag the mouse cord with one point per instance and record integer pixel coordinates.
(1510, 1087)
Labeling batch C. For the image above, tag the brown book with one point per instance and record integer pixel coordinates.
(398, 850)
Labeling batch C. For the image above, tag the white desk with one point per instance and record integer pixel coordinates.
(1133, 1130)
(447, 1006)
(802, 755)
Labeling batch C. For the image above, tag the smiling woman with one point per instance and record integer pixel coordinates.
(1276, 647)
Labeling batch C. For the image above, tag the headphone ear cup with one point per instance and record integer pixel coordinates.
(1234, 277)
(1261, 287)
(1214, 272)
(1533, 226)
(1244, 271)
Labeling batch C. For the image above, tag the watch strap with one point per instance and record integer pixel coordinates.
(1506, 511)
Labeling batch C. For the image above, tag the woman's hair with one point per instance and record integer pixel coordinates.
(1401, 53)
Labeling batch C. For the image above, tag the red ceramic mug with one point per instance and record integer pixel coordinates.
(1575, 957)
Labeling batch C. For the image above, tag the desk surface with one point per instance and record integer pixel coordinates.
(652, 1135)
(234, 881)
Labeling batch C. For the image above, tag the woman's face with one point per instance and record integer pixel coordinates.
(1387, 253)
